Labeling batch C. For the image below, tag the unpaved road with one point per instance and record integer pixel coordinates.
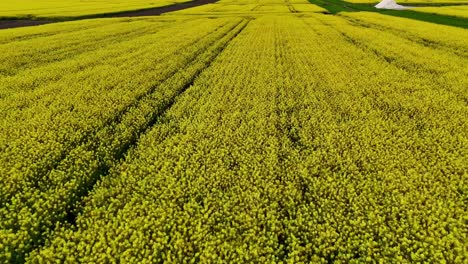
(4, 24)
(21, 23)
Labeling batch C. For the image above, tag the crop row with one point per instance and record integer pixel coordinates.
(300, 143)
(432, 35)
(227, 7)
(455, 10)
(40, 196)
(20, 55)
(445, 68)
(93, 93)
(25, 33)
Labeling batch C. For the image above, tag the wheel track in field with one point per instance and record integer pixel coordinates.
(36, 177)
(406, 35)
(50, 33)
(50, 75)
(70, 53)
(74, 200)
(397, 61)
(155, 116)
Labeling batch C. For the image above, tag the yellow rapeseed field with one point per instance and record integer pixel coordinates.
(74, 8)
(458, 11)
(253, 132)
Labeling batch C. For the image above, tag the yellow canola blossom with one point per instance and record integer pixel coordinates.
(260, 7)
(110, 95)
(298, 144)
(237, 132)
(436, 36)
(458, 11)
(75, 8)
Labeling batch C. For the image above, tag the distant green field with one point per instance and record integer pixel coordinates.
(74, 8)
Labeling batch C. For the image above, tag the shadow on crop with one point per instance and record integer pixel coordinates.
(337, 6)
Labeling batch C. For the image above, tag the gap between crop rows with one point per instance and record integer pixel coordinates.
(95, 158)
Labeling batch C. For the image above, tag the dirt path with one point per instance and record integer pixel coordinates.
(161, 10)
(4, 24)
(22, 23)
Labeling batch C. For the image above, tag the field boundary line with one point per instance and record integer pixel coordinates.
(16, 22)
